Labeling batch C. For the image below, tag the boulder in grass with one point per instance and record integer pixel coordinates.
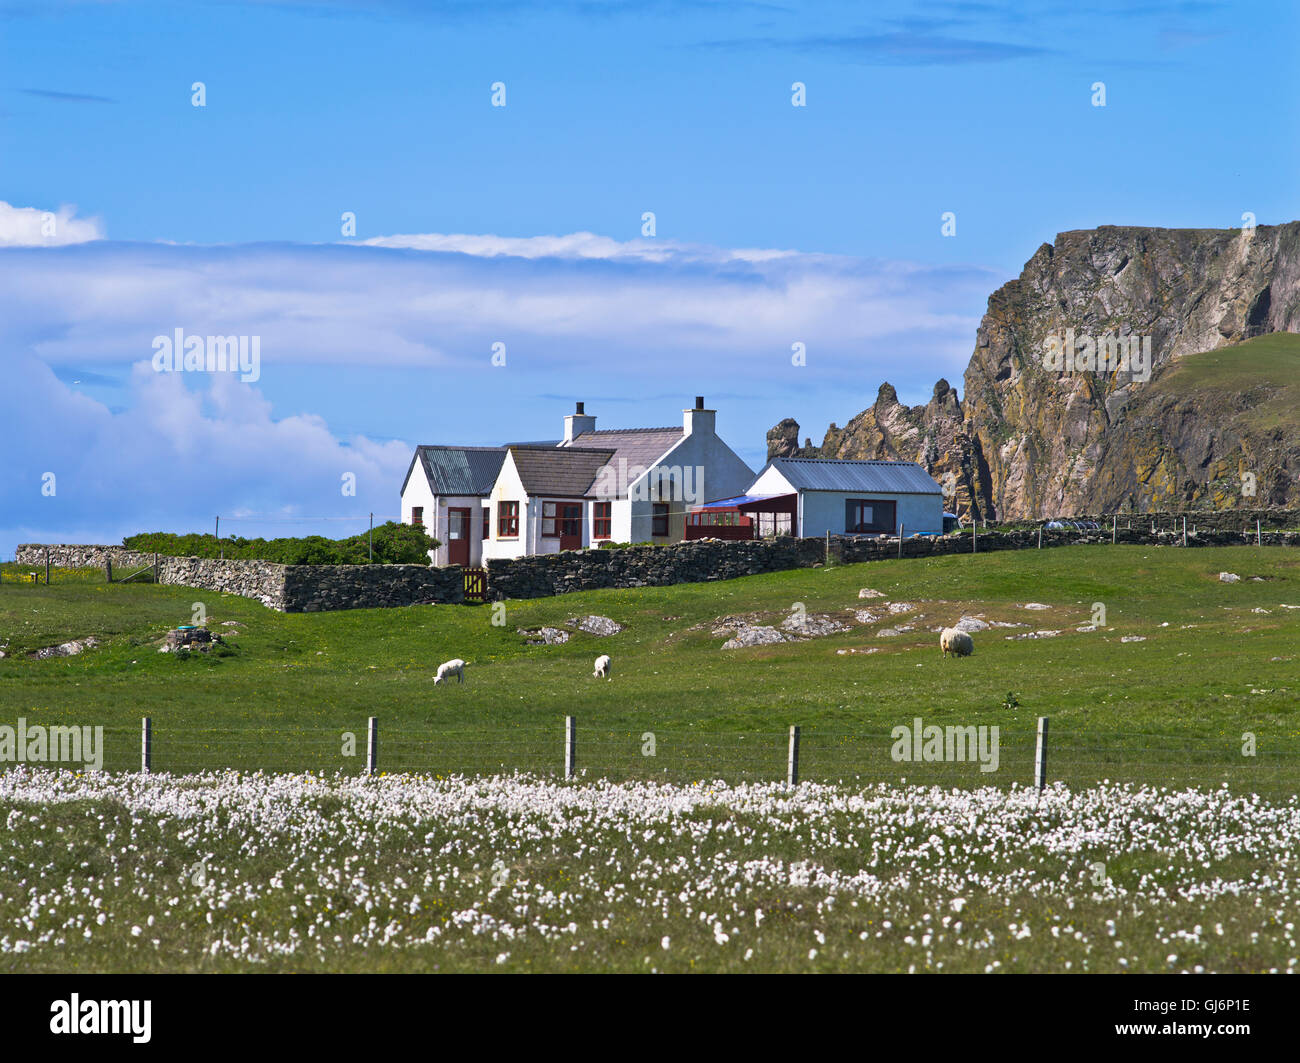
(755, 636)
(1229, 577)
(812, 626)
(595, 625)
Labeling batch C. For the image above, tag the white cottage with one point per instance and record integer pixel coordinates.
(617, 485)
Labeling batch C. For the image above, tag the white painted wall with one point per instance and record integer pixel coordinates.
(417, 493)
(508, 488)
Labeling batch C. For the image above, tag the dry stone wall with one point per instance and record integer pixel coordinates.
(286, 588)
(314, 588)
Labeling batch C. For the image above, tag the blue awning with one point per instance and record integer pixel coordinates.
(739, 500)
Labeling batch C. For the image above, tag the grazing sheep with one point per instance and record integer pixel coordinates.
(957, 642)
(451, 668)
(602, 667)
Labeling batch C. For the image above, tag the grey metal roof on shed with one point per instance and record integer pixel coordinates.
(832, 474)
(461, 470)
(558, 472)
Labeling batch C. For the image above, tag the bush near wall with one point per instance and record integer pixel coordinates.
(394, 544)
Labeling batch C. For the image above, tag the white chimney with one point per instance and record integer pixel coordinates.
(700, 420)
(576, 423)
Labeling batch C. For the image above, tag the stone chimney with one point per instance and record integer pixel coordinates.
(576, 423)
(699, 420)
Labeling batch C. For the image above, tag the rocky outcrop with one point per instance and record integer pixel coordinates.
(783, 442)
(933, 435)
(1029, 441)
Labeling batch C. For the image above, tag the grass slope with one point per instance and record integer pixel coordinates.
(1171, 708)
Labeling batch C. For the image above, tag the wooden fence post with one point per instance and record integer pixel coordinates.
(1184, 531)
(1114, 529)
(1258, 542)
(570, 746)
(902, 529)
(372, 745)
(792, 761)
(155, 568)
(1040, 755)
(1040, 537)
(146, 744)
(108, 570)
(972, 534)
(47, 564)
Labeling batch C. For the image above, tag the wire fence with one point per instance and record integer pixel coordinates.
(949, 757)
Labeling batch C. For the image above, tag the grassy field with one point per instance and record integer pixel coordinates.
(695, 858)
(1218, 660)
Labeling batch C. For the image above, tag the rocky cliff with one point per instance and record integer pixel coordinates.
(1065, 412)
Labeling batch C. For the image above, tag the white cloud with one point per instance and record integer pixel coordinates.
(174, 458)
(31, 227)
(576, 245)
(570, 299)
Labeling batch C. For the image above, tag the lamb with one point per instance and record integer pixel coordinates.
(602, 667)
(455, 667)
(957, 642)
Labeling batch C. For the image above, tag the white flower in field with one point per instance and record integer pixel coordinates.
(136, 931)
(502, 957)
(1171, 958)
(667, 942)
(958, 903)
(812, 954)
(749, 954)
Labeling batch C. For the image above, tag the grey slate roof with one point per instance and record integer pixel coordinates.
(459, 470)
(559, 472)
(877, 477)
(636, 446)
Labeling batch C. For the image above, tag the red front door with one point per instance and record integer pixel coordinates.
(458, 526)
(570, 523)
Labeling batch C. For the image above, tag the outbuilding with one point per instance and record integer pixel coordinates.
(816, 496)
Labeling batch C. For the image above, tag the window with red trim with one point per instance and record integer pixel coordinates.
(602, 520)
(417, 514)
(507, 520)
(487, 522)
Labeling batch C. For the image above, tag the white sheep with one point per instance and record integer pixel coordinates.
(957, 642)
(602, 667)
(451, 668)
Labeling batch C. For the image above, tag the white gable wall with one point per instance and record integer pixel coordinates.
(418, 493)
(508, 488)
(700, 465)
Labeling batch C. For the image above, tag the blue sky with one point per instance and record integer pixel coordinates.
(774, 224)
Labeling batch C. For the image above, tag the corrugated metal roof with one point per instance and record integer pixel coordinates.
(559, 472)
(829, 474)
(461, 470)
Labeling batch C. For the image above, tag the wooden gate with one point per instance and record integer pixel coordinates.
(475, 584)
